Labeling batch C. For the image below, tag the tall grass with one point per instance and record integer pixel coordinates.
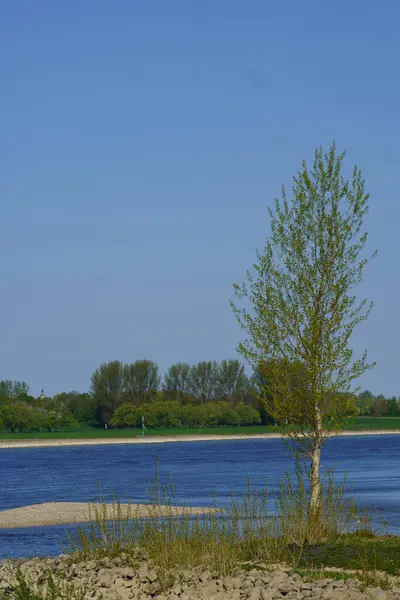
(244, 530)
(53, 588)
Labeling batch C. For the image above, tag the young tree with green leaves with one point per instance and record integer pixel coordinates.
(301, 306)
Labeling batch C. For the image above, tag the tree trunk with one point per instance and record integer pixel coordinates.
(315, 500)
(315, 482)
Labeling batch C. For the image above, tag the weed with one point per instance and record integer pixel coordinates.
(52, 589)
(244, 530)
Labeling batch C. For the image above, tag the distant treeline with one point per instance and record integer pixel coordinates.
(206, 394)
(369, 405)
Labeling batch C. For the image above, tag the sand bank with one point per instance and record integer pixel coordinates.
(43, 443)
(63, 513)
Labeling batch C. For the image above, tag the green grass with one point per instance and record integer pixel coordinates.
(242, 531)
(372, 423)
(87, 431)
(380, 554)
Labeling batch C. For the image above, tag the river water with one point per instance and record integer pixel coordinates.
(198, 469)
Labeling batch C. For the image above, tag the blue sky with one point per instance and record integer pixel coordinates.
(140, 143)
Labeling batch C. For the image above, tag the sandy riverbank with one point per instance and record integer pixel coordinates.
(64, 513)
(43, 443)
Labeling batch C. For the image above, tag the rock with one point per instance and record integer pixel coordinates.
(278, 578)
(212, 585)
(236, 582)
(145, 573)
(176, 589)
(189, 594)
(206, 576)
(328, 591)
(267, 594)
(285, 587)
(254, 572)
(108, 594)
(377, 594)
(128, 572)
(233, 595)
(341, 594)
(228, 584)
(187, 576)
(105, 578)
(120, 579)
(255, 593)
(125, 594)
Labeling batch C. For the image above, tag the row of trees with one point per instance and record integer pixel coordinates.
(140, 383)
(369, 405)
(20, 416)
(168, 414)
(179, 399)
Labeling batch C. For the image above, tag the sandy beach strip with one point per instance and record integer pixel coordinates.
(51, 443)
(67, 513)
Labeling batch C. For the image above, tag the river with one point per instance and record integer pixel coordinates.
(35, 475)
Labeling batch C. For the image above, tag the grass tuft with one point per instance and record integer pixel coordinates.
(244, 530)
(52, 588)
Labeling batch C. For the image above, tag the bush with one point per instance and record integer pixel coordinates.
(126, 415)
(162, 414)
(247, 415)
(169, 414)
(20, 416)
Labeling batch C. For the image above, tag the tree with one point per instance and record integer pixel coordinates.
(204, 380)
(302, 310)
(51, 421)
(81, 406)
(177, 379)
(141, 381)
(380, 406)
(126, 415)
(15, 417)
(393, 407)
(162, 414)
(247, 415)
(364, 402)
(232, 382)
(13, 390)
(192, 416)
(107, 388)
(256, 396)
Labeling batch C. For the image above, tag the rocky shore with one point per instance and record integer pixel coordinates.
(124, 579)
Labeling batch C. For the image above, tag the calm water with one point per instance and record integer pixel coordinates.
(31, 476)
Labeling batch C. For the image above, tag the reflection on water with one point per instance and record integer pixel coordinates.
(198, 469)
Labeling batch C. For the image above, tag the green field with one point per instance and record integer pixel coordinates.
(372, 423)
(87, 431)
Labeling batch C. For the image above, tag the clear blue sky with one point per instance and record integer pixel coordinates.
(140, 143)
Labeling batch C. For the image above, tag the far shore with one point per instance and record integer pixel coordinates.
(51, 443)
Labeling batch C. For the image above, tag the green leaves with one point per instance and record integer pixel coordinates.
(303, 306)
